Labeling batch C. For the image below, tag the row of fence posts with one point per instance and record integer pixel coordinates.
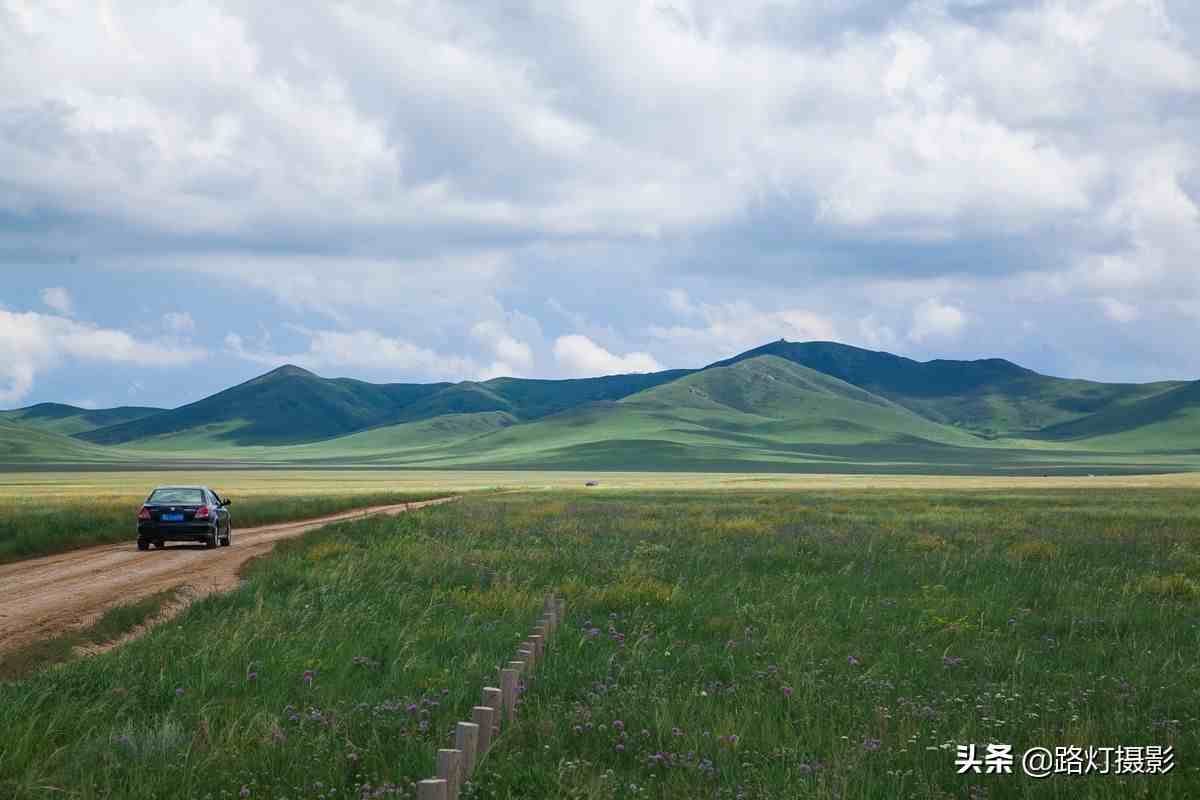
(473, 739)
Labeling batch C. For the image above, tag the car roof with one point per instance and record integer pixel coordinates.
(156, 488)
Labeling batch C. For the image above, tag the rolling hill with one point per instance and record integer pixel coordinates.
(70, 420)
(1166, 421)
(812, 406)
(284, 406)
(290, 405)
(24, 445)
(990, 396)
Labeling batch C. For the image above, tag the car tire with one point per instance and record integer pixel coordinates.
(228, 540)
(143, 544)
(211, 541)
(160, 544)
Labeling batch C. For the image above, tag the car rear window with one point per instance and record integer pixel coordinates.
(193, 497)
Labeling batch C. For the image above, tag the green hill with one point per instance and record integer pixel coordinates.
(1166, 421)
(762, 410)
(285, 406)
(990, 396)
(290, 405)
(69, 420)
(815, 406)
(20, 444)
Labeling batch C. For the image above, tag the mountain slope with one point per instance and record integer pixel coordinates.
(69, 420)
(765, 410)
(20, 444)
(989, 396)
(815, 406)
(290, 405)
(284, 406)
(1166, 421)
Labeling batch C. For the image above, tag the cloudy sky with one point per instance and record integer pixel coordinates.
(194, 192)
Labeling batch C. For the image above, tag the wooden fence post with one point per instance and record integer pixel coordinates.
(538, 637)
(466, 738)
(483, 716)
(508, 687)
(493, 698)
(431, 789)
(528, 654)
(449, 766)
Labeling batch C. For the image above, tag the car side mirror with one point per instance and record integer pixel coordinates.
(226, 501)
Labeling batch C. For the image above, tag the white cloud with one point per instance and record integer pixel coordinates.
(730, 328)
(32, 342)
(934, 319)
(580, 356)
(58, 299)
(361, 349)
(875, 335)
(407, 164)
(179, 322)
(1118, 311)
(514, 357)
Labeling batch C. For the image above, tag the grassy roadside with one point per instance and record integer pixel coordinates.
(722, 645)
(38, 526)
(115, 623)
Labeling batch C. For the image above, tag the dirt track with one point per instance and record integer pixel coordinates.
(43, 597)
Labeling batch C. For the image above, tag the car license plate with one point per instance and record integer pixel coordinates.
(172, 517)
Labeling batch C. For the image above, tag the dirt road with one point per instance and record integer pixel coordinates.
(43, 597)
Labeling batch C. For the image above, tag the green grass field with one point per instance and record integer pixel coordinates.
(847, 639)
(36, 525)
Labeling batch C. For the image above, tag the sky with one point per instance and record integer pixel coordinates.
(192, 193)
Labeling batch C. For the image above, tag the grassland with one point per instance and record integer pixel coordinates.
(42, 514)
(847, 639)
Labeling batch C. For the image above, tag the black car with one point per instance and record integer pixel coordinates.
(184, 514)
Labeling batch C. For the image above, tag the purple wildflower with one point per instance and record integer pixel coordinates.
(251, 676)
(787, 691)
(245, 792)
(618, 725)
(179, 691)
(620, 748)
(951, 661)
(853, 661)
(872, 744)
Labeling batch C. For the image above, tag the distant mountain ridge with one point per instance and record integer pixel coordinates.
(70, 420)
(990, 396)
(782, 405)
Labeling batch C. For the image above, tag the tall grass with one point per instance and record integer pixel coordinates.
(36, 526)
(753, 645)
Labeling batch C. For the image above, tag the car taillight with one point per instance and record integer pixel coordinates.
(202, 512)
(144, 514)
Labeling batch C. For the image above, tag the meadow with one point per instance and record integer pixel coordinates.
(42, 514)
(734, 644)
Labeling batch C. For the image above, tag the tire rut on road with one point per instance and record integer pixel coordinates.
(44, 597)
